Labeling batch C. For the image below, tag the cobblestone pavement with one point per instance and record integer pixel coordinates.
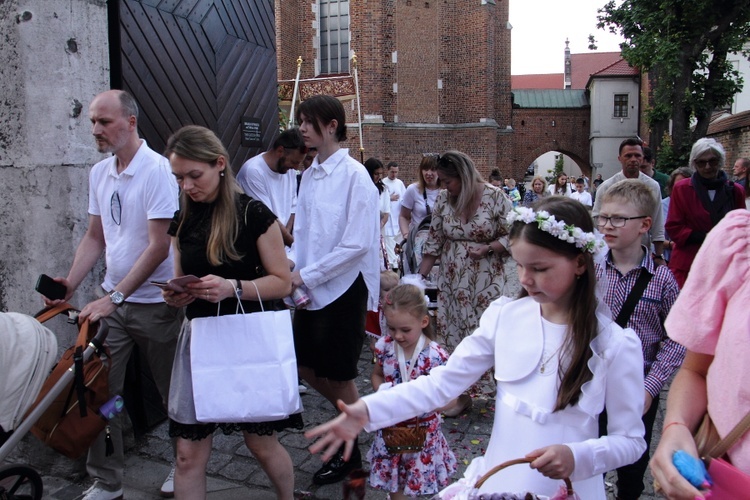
(234, 474)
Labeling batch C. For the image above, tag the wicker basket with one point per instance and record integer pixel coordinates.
(568, 485)
(406, 437)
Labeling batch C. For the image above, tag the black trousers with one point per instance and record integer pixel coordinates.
(630, 477)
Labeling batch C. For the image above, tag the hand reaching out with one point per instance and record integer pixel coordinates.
(344, 428)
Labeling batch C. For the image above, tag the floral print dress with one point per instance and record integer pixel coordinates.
(465, 286)
(413, 474)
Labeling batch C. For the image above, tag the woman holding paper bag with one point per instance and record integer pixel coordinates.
(232, 242)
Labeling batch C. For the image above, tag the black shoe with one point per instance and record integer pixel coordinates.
(336, 469)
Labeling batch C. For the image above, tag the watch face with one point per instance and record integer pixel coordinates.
(117, 297)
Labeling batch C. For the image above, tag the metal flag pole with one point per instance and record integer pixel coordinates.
(359, 108)
(290, 124)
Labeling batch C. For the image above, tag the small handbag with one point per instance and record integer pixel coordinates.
(408, 436)
(244, 367)
(728, 481)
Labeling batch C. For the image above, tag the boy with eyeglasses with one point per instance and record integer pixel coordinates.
(640, 295)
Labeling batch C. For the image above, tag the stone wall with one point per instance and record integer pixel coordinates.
(54, 60)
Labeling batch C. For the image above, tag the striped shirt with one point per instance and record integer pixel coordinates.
(661, 355)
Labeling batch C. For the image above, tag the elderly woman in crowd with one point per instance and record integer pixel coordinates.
(713, 327)
(469, 235)
(538, 191)
(698, 204)
(676, 176)
(229, 240)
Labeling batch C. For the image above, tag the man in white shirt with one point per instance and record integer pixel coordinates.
(132, 199)
(271, 178)
(391, 231)
(631, 157)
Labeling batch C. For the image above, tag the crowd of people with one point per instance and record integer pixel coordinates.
(613, 303)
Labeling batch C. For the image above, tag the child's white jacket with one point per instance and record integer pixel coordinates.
(511, 338)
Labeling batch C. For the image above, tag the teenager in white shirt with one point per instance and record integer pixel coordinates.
(336, 247)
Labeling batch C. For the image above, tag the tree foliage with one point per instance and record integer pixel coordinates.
(683, 45)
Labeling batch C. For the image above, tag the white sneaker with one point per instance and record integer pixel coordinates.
(167, 489)
(302, 388)
(97, 492)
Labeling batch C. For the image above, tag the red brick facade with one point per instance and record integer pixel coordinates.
(452, 72)
(537, 131)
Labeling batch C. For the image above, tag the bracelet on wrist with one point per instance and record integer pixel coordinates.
(674, 423)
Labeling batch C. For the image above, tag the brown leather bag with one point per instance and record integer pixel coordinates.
(72, 422)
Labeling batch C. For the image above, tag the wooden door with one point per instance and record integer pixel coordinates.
(204, 62)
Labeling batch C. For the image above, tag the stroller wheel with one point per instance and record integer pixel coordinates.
(19, 482)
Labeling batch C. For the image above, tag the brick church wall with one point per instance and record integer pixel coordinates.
(462, 43)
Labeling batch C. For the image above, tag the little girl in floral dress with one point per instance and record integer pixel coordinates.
(405, 353)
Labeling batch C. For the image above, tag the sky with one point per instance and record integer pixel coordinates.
(540, 28)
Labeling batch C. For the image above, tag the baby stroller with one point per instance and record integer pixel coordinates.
(410, 250)
(28, 352)
(410, 257)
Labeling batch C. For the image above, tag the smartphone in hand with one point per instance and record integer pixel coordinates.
(50, 288)
(176, 284)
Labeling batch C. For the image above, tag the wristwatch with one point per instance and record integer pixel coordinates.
(238, 288)
(490, 251)
(117, 298)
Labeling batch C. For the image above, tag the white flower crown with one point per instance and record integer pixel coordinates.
(588, 242)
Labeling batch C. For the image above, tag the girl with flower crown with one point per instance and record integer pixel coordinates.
(558, 359)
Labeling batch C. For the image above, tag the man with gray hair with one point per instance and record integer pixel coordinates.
(740, 172)
(132, 199)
